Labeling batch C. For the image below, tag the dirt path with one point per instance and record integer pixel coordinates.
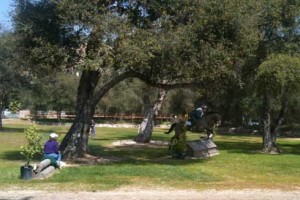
(153, 195)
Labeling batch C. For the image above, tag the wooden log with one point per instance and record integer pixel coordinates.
(45, 173)
(42, 165)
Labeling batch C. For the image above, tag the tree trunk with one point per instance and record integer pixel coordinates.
(2, 109)
(279, 119)
(58, 115)
(75, 143)
(146, 127)
(269, 144)
(1, 115)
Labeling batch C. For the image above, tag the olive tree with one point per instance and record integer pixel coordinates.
(277, 79)
(166, 44)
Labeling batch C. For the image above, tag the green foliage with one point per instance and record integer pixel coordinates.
(39, 37)
(56, 92)
(14, 106)
(178, 146)
(279, 73)
(33, 145)
(11, 79)
(62, 91)
(212, 42)
(127, 91)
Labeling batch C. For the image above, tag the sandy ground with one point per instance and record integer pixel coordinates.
(156, 194)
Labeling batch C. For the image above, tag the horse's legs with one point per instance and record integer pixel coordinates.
(171, 128)
(209, 134)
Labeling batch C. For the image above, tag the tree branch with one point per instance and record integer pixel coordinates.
(145, 78)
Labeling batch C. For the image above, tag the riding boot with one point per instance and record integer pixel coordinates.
(209, 136)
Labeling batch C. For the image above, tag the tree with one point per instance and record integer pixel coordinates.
(4, 82)
(119, 100)
(150, 112)
(277, 32)
(279, 23)
(62, 89)
(186, 43)
(278, 78)
(11, 80)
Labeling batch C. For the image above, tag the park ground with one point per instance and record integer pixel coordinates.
(255, 176)
(152, 194)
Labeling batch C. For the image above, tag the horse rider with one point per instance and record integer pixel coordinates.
(197, 114)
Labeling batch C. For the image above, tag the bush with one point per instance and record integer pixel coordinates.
(178, 145)
(33, 145)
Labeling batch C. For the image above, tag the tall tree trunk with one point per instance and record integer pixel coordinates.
(1, 115)
(269, 144)
(58, 116)
(146, 127)
(266, 122)
(279, 120)
(3, 100)
(75, 143)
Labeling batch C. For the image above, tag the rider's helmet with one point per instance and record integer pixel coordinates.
(204, 107)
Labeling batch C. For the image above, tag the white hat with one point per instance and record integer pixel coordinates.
(53, 135)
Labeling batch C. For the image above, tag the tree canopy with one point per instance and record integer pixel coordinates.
(211, 45)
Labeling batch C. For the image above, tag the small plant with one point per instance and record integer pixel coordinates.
(33, 145)
(178, 145)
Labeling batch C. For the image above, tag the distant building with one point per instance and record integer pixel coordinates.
(10, 115)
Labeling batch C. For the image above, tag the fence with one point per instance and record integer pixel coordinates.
(98, 117)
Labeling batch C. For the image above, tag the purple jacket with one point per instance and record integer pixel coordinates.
(51, 146)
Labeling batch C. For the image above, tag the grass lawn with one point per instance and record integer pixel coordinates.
(240, 165)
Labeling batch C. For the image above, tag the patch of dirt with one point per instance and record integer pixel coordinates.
(88, 159)
(152, 194)
(152, 143)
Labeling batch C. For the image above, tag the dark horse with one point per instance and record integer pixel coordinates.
(206, 123)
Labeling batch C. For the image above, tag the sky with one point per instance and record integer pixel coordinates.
(4, 13)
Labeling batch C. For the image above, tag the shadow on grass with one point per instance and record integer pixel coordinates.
(290, 148)
(136, 155)
(16, 155)
(255, 147)
(142, 155)
(12, 155)
(116, 138)
(239, 147)
(10, 129)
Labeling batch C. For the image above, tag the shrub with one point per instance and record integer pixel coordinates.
(33, 145)
(178, 145)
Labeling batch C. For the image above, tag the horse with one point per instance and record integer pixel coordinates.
(206, 123)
